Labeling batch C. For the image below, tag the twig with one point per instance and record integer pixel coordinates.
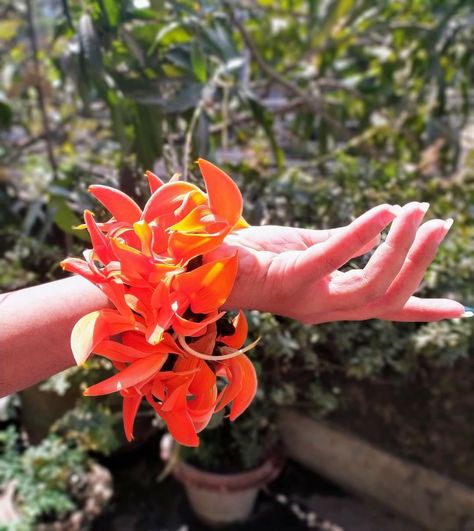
(206, 96)
(39, 89)
(313, 102)
(243, 118)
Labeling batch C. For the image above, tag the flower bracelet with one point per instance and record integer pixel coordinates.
(165, 333)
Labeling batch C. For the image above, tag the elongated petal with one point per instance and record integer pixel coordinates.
(133, 262)
(181, 427)
(115, 351)
(91, 329)
(131, 404)
(190, 201)
(115, 291)
(248, 390)
(237, 339)
(177, 418)
(235, 376)
(144, 232)
(224, 195)
(208, 286)
(200, 220)
(76, 265)
(120, 205)
(137, 372)
(99, 241)
(166, 199)
(154, 182)
(189, 328)
(184, 247)
(241, 224)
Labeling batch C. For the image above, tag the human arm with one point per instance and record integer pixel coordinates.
(35, 329)
(288, 271)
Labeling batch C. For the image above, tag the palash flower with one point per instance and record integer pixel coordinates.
(165, 332)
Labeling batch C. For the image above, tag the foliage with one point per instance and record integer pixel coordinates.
(91, 427)
(320, 109)
(43, 476)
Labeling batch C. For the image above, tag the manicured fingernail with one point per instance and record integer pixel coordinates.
(444, 229)
(424, 207)
(468, 312)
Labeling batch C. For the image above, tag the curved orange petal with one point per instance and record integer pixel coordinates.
(181, 427)
(166, 199)
(225, 199)
(188, 328)
(120, 205)
(200, 220)
(190, 201)
(209, 285)
(144, 232)
(115, 291)
(118, 352)
(91, 329)
(184, 247)
(237, 339)
(235, 376)
(139, 371)
(241, 224)
(133, 262)
(130, 407)
(248, 390)
(99, 241)
(177, 418)
(154, 182)
(76, 265)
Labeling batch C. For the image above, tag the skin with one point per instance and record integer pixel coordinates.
(288, 271)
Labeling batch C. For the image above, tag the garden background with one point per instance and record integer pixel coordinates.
(319, 110)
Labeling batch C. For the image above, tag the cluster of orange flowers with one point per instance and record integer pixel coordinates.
(165, 333)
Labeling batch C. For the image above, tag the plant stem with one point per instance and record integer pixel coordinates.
(39, 89)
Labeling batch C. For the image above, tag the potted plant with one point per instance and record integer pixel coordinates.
(224, 474)
(49, 486)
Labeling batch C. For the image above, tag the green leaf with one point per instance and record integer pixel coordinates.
(6, 115)
(112, 11)
(172, 33)
(65, 218)
(198, 62)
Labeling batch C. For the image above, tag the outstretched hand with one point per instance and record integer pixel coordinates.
(295, 272)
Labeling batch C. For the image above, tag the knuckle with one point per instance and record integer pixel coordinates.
(368, 290)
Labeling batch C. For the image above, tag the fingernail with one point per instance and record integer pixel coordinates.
(444, 230)
(424, 207)
(468, 312)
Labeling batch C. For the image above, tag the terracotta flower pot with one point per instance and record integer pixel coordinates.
(219, 499)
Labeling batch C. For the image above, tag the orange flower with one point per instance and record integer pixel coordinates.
(163, 334)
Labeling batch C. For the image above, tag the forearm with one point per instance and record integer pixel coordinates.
(35, 329)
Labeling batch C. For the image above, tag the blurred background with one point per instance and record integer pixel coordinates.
(319, 109)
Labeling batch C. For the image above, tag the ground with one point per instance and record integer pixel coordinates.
(141, 503)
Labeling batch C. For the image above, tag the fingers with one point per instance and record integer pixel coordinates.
(423, 252)
(372, 282)
(422, 310)
(324, 258)
(310, 237)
